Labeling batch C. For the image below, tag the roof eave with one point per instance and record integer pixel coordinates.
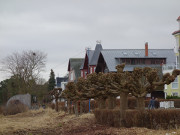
(176, 32)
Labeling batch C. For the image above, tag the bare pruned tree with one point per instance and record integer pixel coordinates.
(25, 66)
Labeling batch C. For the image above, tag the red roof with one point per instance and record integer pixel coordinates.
(178, 31)
(178, 18)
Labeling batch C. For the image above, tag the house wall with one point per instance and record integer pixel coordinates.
(84, 73)
(169, 90)
(71, 77)
(92, 69)
(63, 85)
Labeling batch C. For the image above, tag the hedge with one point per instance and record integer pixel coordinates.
(154, 119)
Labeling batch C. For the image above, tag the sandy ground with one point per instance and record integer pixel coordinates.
(49, 122)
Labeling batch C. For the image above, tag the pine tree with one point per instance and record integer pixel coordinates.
(51, 81)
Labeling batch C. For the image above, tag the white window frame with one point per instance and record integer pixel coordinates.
(175, 83)
(165, 86)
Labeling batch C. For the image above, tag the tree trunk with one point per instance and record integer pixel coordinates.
(81, 107)
(69, 106)
(111, 102)
(123, 107)
(56, 105)
(140, 103)
(76, 108)
(102, 103)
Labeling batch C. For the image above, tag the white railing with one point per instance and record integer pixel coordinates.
(167, 104)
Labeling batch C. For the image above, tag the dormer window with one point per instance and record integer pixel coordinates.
(154, 53)
(136, 54)
(125, 53)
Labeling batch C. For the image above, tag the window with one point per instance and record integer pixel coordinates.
(152, 61)
(132, 61)
(138, 61)
(175, 84)
(174, 94)
(85, 74)
(81, 73)
(158, 62)
(91, 69)
(128, 61)
(94, 69)
(143, 61)
(177, 61)
(123, 61)
(71, 78)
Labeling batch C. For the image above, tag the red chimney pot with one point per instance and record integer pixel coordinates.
(146, 49)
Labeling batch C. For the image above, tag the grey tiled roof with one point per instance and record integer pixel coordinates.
(95, 56)
(91, 52)
(110, 55)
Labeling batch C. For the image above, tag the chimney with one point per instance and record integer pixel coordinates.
(146, 49)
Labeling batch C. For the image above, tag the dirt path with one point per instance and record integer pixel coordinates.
(48, 122)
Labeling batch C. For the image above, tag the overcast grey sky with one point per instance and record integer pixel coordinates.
(64, 28)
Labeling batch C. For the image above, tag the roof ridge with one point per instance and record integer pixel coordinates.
(135, 49)
(76, 58)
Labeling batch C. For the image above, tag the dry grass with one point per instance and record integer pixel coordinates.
(33, 119)
(49, 122)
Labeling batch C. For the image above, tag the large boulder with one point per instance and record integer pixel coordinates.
(14, 107)
(25, 99)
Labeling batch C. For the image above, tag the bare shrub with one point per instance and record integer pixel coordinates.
(14, 107)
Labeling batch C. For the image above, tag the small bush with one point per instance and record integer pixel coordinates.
(14, 107)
